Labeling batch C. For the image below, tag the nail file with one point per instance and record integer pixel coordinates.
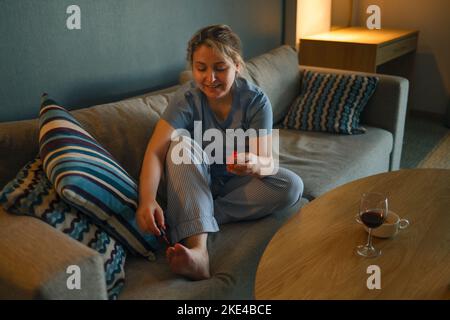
(164, 236)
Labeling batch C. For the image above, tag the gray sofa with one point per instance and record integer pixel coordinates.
(35, 256)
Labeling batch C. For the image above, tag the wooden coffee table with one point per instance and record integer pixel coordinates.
(313, 255)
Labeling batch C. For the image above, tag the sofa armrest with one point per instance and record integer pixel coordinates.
(34, 261)
(386, 108)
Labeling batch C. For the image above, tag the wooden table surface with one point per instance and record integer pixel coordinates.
(356, 48)
(313, 255)
(363, 35)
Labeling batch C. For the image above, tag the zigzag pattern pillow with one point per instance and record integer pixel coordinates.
(87, 177)
(32, 194)
(330, 102)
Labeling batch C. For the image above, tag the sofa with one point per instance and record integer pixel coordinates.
(35, 255)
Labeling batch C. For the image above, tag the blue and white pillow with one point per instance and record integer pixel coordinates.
(86, 176)
(32, 194)
(330, 102)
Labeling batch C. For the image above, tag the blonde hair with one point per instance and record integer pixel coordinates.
(220, 38)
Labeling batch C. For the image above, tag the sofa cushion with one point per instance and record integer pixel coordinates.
(32, 194)
(123, 128)
(159, 102)
(330, 102)
(88, 177)
(233, 267)
(277, 74)
(18, 145)
(113, 125)
(325, 160)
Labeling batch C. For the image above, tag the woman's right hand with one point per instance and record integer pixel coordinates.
(149, 216)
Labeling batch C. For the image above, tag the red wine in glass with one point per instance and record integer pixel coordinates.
(372, 212)
(373, 218)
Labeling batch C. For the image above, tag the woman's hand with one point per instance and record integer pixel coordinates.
(244, 164)
(149, 216)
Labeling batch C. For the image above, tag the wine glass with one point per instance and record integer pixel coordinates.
(372, 212)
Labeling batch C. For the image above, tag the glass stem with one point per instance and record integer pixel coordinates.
(369, 238)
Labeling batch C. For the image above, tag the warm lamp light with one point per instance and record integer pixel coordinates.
(313, 17)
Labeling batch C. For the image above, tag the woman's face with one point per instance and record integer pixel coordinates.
(213, 73)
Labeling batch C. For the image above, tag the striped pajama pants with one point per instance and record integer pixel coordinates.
(194, 203)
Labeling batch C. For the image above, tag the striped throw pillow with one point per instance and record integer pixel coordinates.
(87, 177)
(330, 102)
(32, 194)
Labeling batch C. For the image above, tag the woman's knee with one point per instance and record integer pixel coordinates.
(185, 156)
(295, 188)
(292, 189)
(185, 150)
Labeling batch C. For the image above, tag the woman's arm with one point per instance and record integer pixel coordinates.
(149, 214)
(259, 159)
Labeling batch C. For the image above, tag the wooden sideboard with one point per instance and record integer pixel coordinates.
(356, 48)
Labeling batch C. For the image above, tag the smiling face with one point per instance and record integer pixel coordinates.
(213, 73)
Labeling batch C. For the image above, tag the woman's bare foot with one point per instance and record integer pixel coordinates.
(192, 263)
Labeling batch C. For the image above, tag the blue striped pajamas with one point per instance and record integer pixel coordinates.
(196, 203)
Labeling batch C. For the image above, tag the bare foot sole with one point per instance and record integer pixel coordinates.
(191, 263)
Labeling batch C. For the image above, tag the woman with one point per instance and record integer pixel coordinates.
(207, 192)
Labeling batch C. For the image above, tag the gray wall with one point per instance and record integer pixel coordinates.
(124, 47)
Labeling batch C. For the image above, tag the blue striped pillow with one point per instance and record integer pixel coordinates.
(32, 194)
(330, 102)
(86, 176)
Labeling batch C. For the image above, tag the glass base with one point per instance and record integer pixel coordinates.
(368, 252)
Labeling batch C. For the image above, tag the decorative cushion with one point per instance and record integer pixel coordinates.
(330, 102)
(32, 194)
(86, 176)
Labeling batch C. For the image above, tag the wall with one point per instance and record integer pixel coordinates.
(429, 68)
(314, 17)
(124, 48)
(341, 13)
(305, 18)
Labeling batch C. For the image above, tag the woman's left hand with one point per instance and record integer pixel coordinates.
(244, 164)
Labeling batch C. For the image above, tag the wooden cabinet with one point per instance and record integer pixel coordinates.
(356, 48)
